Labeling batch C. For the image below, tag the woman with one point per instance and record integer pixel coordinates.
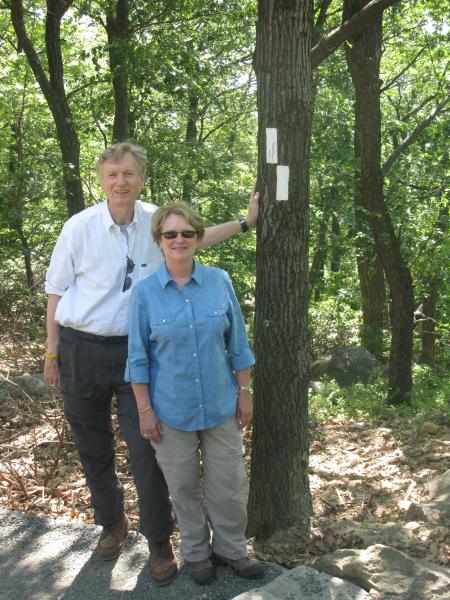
(189, 364)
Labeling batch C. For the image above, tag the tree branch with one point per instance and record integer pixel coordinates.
(397, 77)
(411, 137)
(25, 43)
(349, 28)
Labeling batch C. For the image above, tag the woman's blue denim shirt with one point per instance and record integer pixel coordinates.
(186, 344)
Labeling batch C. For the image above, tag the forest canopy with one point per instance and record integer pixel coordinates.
(178, 78)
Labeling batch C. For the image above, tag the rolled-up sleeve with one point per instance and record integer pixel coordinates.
(137, 368)
(238, 347)
(61, 271)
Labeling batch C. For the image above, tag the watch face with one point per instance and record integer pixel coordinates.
(244, 225)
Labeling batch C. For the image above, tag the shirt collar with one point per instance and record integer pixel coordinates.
(109, 221)
(164, 276)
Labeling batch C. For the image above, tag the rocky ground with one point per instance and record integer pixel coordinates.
(369, 481)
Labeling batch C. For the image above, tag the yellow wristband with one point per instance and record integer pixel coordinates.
(48, 356)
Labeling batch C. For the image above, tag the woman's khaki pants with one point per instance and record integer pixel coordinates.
(219, 450)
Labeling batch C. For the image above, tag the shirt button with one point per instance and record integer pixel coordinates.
(200, 405)
(197, 380)
(191, 326)
(187, 300)
(164, 320)
(195, 354)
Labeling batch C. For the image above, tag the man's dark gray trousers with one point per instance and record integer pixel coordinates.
(92, 369)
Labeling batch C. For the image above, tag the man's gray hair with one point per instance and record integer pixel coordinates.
(116, 152)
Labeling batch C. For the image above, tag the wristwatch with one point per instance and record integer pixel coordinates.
(244, 225)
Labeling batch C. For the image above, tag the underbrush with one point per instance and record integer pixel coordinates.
(430, 400)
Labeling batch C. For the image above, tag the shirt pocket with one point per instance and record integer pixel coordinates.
(219, 311)
(216, 320)
(162, 327)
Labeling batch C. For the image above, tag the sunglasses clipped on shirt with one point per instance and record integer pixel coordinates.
(171, 235)
(128, 281)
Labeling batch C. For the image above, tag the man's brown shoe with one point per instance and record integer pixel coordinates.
(249, 568)
(111, 539)
(163, 565)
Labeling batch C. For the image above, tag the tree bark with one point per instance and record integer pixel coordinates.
(363, 57)
(279, 491)
(16, 170)
(370, 269)
(428, 336)
(336, 253)
(117, 28)
(53, 89)
(191, 141)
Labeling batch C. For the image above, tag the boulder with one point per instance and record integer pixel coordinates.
(388, 571)
(303, 582)
(346, 365)
(438, 506)
(30, 385)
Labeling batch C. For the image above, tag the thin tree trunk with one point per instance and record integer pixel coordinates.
(279, 490)
(428, 337)
(117, 28)
(191, 141)
(316, 272)
(53, 89)
(16, 170)
(363, 57)
(335, 257)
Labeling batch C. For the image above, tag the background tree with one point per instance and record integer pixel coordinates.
(53, 88)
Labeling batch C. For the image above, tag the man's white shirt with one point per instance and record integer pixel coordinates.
(88, 268)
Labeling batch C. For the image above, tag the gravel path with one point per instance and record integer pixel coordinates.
(45, 559)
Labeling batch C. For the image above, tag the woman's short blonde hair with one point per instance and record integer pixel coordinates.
(182, 209)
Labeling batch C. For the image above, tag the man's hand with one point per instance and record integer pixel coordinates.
(51, 371)
(253, 208)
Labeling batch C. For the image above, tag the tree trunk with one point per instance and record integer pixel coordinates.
(428, 336)
(53, 89)
(427, 354)
(16, 170)
(191, 141)
(279, 490)
(117, 28)
(363, 57)
(370, 269)
(335, 255)
(316, 272)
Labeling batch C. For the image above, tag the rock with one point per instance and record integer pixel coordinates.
(358, 426)
(303, 582)
(429, 428)
(31, 385)
(388, 534)
(389, 571)
(346, 365)
(438, 507)
(414, 512)
(316, 387)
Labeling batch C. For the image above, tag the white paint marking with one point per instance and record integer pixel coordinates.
(282, 182)
(271, 146)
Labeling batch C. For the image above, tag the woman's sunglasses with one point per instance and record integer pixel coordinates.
(171, 235)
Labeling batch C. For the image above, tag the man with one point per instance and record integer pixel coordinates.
(101, 253)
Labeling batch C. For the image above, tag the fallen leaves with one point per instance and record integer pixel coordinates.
(367, 481)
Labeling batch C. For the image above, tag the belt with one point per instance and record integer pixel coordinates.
(92, 337)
